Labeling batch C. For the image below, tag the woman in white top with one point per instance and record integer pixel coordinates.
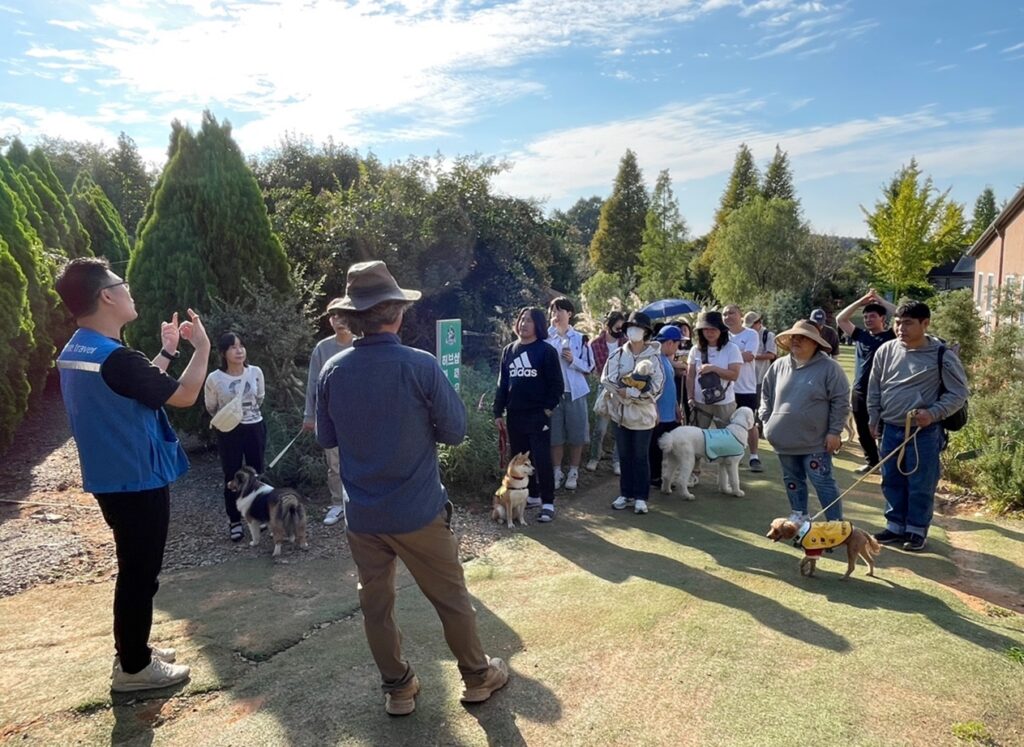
(712, 354)
(246, 442)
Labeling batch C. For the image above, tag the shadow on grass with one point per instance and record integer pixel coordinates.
(595, 554)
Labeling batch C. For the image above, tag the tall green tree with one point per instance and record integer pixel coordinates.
(664, 258)
(778, 178)
(97, 215)
(616, 245)
(207, 232)
(744, 184)
(985, 211)
(76, 243)
(912, 230)
(760, 248)
(15, 343)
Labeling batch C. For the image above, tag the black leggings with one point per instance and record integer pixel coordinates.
(860, 418)
(247, 442)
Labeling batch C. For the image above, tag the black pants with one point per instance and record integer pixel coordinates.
(655, 450)
(139, 522)
(248, 442)
(859, 405)
(527, 432)
(635, 462)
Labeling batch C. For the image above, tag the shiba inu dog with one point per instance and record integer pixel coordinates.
(510, 499)
(280, 508)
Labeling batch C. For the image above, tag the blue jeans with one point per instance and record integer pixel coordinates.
(797, 469)
(910, 499)
(634, 461)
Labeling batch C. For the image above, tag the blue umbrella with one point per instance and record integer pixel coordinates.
(670, 307)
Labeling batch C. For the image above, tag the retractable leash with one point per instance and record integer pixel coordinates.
(898, 452)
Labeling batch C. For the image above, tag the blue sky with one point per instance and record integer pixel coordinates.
(560, 89)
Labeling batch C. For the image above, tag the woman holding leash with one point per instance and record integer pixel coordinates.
(631, 382)
(244, 438)
(805, 400)
(529, 389)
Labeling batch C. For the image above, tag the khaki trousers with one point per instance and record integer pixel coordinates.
(432, 557)
(334, 475)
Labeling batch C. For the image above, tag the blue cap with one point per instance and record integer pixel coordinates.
(818, 316)
(669, 332)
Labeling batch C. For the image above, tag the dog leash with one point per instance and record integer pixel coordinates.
(898, 452)
(284, 450)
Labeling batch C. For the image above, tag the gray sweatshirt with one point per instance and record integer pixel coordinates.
(800, 405)
(326, 349)
(904, 379)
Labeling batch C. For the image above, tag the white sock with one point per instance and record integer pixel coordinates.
(549, 507)
(574, 471)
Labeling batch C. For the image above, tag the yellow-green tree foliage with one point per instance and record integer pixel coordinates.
(100, 220)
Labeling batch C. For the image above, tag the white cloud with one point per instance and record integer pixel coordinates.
(1014, 48)
(977, 47)
(12, 11)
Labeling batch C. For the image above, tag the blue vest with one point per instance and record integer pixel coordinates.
(719, 442)
(123, 446)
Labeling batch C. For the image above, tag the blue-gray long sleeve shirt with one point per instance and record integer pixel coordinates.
(386, 407)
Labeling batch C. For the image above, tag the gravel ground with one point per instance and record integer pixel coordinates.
(68, 541)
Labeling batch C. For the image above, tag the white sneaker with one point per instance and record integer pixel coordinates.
(621, 502)
(797, 518)
(693, 481)
(334, 515)
(559, 479)
(591, 466)
(616, 469)
(533, 501)
(572, 481)
(167, 655)
(640, 506)
(156, 675)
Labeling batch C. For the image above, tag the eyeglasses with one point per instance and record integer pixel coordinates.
(114, 285)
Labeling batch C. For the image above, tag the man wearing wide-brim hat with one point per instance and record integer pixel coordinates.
(386, 406)
(805, 400)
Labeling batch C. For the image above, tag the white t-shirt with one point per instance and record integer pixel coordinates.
(767, 345)
(748, 341)
(221, 387)
(721, 358)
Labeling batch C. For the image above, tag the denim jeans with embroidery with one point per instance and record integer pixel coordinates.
(797, 469)
(910, 498)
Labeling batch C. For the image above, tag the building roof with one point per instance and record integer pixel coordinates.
(961, 266)
(1002, 220)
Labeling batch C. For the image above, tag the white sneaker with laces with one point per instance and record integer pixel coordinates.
(616, 469)
(621, 502)
(334, 515)
(167, 655)
(640, 506)
(572, 481)
(156, 675)
(591, 466)
(533, 501)
(559, 479)
(797, 518)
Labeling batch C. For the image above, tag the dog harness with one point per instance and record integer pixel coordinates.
(814, 537)
(719, 442)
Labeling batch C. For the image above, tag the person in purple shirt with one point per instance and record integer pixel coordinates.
(385, 407)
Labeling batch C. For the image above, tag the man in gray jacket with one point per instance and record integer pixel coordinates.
(906, 378)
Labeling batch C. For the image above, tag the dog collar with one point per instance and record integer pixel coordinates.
(804, 529)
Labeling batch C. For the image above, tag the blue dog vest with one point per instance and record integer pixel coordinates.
(718, 442)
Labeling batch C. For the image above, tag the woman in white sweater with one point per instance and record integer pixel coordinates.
(246, 442)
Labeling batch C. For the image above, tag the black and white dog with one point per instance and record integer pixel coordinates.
(280, 508)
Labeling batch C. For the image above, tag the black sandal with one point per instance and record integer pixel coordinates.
(236, 531)
(546, 515)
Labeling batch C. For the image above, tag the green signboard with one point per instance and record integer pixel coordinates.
(449, 349)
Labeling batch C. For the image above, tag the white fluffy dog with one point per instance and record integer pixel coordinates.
(680, 449)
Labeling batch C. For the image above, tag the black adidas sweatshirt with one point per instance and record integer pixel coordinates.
(529, 378)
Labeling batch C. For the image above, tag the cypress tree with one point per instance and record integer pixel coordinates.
(985, 211)
(15, 341)
(77, 240)
(100, 220)
(204, 233)
(778, 179)
(616, 245)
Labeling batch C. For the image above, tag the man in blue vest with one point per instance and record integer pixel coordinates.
(127, 450)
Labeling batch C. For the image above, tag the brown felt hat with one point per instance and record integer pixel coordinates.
(370, 283)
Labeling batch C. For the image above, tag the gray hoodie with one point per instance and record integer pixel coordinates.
(800, 405)
(904, 379)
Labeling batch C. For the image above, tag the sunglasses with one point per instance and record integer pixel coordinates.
(114, 285)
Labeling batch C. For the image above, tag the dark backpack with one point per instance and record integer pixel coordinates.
(956, 420)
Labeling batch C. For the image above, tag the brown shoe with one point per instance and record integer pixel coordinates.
(497, 676)
(402, 702)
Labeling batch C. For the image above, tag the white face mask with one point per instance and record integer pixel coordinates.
(635, 334)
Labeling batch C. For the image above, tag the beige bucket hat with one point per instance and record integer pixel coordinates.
(805, 328)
